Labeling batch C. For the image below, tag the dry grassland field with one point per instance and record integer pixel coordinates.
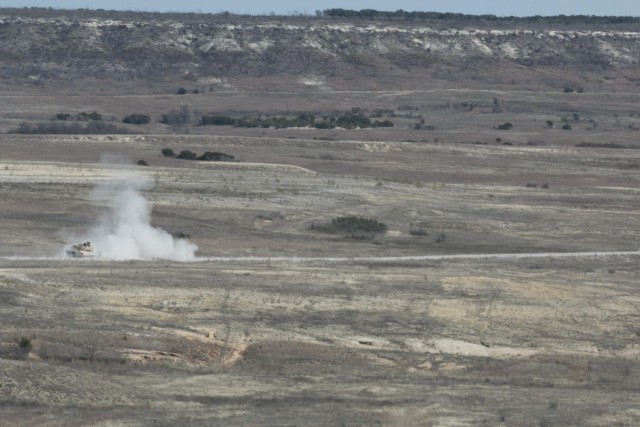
(500, 287)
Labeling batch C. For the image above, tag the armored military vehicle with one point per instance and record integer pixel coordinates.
(82, 250)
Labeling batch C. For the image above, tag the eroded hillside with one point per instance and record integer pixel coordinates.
(61, 47)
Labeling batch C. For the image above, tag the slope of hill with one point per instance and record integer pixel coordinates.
(62, 46)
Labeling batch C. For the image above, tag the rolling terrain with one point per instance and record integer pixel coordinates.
(498, 284)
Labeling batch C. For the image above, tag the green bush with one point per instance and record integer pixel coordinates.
(89, 116)
(215, 120)
(168, 152)
(142, 163)
(25, 344)
(62, 116)
(505, 126)
(179, 117)
(83, 117)
(216, 157)
(354, 225)
(56, 128)
(187, 155)
(137, 119)
(350, 120)
(607, 145)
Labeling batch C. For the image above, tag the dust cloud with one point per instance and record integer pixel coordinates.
(124, 231)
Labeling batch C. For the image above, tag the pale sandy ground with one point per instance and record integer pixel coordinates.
(522, 316)
(447, 342)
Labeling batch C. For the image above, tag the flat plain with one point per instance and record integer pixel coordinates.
(298, 340)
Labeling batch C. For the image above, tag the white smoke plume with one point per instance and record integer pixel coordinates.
(124, 230)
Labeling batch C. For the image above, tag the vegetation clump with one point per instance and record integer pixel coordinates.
(137, 119)
(211, 156)
(607, 145)
(187, 155)
(83, 117)
(56, 128)
(216, 157)
(168, 152)
(25, 345)
(505, 126)
(179, 117)
(358, 228)
(349, 120)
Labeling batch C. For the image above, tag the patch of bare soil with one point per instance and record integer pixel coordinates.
(342, 338)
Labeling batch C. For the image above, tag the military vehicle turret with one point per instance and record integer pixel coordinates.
(82, 250)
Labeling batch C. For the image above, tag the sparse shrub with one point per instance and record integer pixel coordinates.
(25, 344)
(142, 163)
(531, 185)
(89, 116)
(215, 120)
(418, 232)
(187, 155)
(545, 186)
(83, 117)
(351, 120)
(62, 116)
(181, 91)
(179, 117)
(137, 119)
(441, 237)
(216, 157)
(56, 128)
(168, 152)
(383, 124)
(505, 126)
(359, 228)
(606, 145)
(550, 124)
(566, 126)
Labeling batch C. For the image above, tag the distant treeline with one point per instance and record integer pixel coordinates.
(93, 127)
(364, 14)
(372, 14)
(350, 120)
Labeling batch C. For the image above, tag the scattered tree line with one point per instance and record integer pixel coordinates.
(61, 128)
(356, 227)
(83, 117)
(211, 156)
(350, 120)
(66, 123)
(372, 14)
(607, 145)
(369, 14)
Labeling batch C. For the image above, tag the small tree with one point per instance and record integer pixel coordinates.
(25, 343)
(137, 119)
(168, 152)
(181, 116)
(550, 124)
(505, 126)
(187, 155)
